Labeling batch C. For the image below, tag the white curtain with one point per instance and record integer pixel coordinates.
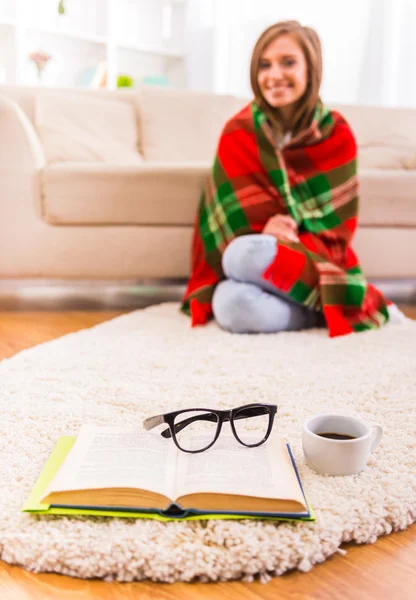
(388, 74)
(199, 45)
(369, 46)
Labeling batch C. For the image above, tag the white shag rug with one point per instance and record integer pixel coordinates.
(151, 361)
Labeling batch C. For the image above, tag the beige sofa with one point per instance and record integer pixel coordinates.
(105, 185)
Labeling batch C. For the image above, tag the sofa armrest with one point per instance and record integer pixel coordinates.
(20, 148)
(21, 167)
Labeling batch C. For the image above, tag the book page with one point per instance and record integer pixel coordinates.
(111, 457)
(228, 467)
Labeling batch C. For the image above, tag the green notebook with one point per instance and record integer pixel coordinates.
(122, 472)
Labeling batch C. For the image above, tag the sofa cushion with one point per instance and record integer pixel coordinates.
(384, 157)
(388, 151)
(181, 125)
(386, 136)
(387, 198)
(77, 128)
(97, 194)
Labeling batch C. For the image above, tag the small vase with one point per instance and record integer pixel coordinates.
(39, 75)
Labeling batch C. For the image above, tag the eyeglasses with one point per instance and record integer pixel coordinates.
(251, 425)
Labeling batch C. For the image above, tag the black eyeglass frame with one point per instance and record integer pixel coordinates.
(221, 416)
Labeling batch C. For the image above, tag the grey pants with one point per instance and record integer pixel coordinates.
(245, 303)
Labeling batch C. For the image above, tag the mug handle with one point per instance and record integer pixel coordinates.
(377, 435)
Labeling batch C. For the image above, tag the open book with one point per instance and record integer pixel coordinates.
(110, 470)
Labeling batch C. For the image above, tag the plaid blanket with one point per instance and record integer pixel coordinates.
(314, 180)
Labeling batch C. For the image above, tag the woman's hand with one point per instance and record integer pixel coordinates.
(283, 227)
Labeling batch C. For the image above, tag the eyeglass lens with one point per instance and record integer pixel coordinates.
(251, 424)
(195, 429)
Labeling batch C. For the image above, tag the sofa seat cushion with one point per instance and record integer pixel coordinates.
(75, 128)
(168, 194)
(98, 194)
(387, 198)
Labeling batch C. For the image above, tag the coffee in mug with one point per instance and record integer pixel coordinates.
(337, 436)
(339, 445)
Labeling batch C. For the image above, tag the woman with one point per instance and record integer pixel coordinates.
(271, 248)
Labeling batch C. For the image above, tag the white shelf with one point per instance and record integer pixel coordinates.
(75, 47)
(82, 37)
(164, 52)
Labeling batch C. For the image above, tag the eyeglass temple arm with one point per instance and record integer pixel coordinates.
(243, 414)
(151, 422)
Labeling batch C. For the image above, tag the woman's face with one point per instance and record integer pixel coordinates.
(283, 72)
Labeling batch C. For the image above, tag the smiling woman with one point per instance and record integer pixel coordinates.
(272, 243)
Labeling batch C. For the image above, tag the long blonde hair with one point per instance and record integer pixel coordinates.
(310, 43)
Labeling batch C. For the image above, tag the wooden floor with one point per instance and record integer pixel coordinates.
(384, 570)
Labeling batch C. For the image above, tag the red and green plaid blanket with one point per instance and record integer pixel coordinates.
(314, 180)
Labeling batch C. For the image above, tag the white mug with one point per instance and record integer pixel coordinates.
(329, 456)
